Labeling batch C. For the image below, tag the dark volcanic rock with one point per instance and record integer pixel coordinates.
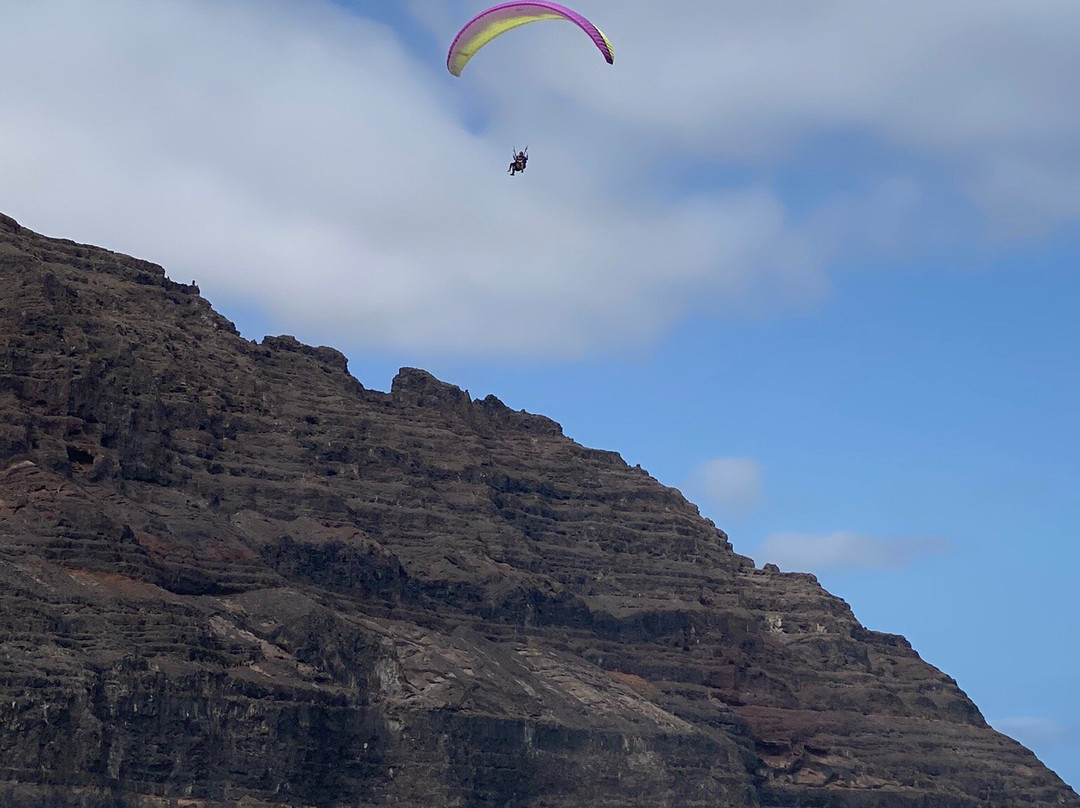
(231, 575)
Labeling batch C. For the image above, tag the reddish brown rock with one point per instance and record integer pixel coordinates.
(231, 575)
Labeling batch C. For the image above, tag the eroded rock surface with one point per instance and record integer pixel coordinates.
(231, 575)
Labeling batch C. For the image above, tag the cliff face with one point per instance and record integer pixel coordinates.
(231, 575)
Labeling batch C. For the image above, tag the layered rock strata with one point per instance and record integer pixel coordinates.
(232, 575)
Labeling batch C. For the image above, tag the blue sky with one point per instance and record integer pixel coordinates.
(817, 267)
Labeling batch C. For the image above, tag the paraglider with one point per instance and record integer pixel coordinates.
(521, 159)
(504, 17)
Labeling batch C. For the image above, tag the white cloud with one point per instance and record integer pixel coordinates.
(1033, 731)
(290, 155)
(844, 550)
(732, 483)
(978, 90)
(986, 85)
(294, 157)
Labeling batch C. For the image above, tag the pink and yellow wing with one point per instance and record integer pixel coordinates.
(499, 19)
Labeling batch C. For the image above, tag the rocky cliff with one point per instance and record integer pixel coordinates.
(231, 575)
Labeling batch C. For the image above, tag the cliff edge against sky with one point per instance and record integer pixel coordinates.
(231, 575)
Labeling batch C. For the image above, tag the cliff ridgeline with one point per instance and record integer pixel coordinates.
(230, 575)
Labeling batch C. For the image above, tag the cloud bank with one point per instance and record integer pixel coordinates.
(845, 550)
(731, 483)
(295, 157)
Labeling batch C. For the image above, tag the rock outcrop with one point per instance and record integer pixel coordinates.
(232, 575)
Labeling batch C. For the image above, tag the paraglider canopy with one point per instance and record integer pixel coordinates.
(499, 19)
